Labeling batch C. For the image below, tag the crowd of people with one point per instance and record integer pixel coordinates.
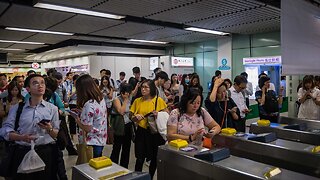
(92, 105)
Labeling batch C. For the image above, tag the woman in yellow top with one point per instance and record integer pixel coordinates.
(146, 144)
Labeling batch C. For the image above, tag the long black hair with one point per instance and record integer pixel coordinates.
(190, 95)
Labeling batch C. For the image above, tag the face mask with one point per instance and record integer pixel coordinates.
(187, 81)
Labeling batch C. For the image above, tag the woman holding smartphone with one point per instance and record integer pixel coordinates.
(93, 117)
(189, 121)
(309, 97)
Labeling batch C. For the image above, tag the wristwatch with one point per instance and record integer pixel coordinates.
(50, 130)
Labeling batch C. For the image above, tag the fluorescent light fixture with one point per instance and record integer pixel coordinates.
(10, 49)
(146, 41)
(77, 11)
(38, 31)
(205, 31)
(19, 42)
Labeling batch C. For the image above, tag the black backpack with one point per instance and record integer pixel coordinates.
(271, 103)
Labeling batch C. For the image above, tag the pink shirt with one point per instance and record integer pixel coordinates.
(187, 125)
(95, 115)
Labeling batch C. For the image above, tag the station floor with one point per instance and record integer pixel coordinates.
(71, 160)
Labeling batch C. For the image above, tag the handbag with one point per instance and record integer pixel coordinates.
(85, 152)
(151, 120)
(6, 163)
(117, 124)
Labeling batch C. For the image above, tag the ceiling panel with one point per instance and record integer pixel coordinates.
(29, 17)
(158, 34)
(84, 24)
(202, 10)
(86, 4)
(266, 26)
(139, 8)
(139, 43)
(126, 30)
(3, 6)
(5, 45)
(14, 35)
(242, 18)
(48, 38)
(26, 46)
(91, 38)
(189, 37)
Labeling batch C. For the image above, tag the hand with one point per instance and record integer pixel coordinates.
(218, 82)
(210, 134)
(233, 110)
(281, 88)
(138, 117)
(27, 138)
(246, 111)
(199, 132)
(47, 125)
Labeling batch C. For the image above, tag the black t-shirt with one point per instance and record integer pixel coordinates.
(216, 110)
(133, 82)
(271, 102)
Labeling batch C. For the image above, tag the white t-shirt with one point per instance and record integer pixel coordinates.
(308, 109)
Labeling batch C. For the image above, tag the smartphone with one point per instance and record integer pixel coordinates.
(43, 121)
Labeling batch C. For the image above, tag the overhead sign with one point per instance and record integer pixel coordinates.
(35, 65)
(154, 63)
(262, 60)
(182, 61)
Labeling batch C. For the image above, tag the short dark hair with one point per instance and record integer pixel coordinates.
(108, 72)
(51, 83)
(122, 73)
(68, 73)
(75, 77)
(156, 69)
(102, 70)
(28, 79)
(190, 95)
(162, 75)
(240, 79)
(228, 80)
(136, 70)
(262, 74)
(57, 75)
(262, 80)
(2, 74)
(125, 88)
(217, 73)
(244, 74)
(31, 72)
(51, 71)
(152, 87)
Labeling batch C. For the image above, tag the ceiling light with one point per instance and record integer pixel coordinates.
(146, 41)
(19, 42)
(77, 11)
(205, 31)
(10, 49)
(39, 31)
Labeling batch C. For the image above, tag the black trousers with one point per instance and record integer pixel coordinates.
(72, 121)
(240, 125)
(123, 144)
(271, 118)
(146, 146)
(247, 103)
(49, 155)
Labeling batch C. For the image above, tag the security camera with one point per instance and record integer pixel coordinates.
(9, 64)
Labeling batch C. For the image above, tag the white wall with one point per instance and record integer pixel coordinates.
(225, 52)
(117, 64)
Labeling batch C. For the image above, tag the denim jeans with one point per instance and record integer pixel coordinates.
(97, 151)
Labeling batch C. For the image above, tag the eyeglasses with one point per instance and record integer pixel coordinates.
(36, 83)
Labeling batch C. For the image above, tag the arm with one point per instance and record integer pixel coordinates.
(262, 100)
(302, 97)
(172, 134)
(52, 127)
(136, 88)
(110, 94)
(216, 85)
(120, 108)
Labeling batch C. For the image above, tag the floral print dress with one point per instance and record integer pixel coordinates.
(95, 115)
(187, 125)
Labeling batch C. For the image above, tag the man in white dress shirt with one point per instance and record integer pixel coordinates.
(240, 83)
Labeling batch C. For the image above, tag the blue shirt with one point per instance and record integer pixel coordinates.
(55, 100)
(29, 119)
